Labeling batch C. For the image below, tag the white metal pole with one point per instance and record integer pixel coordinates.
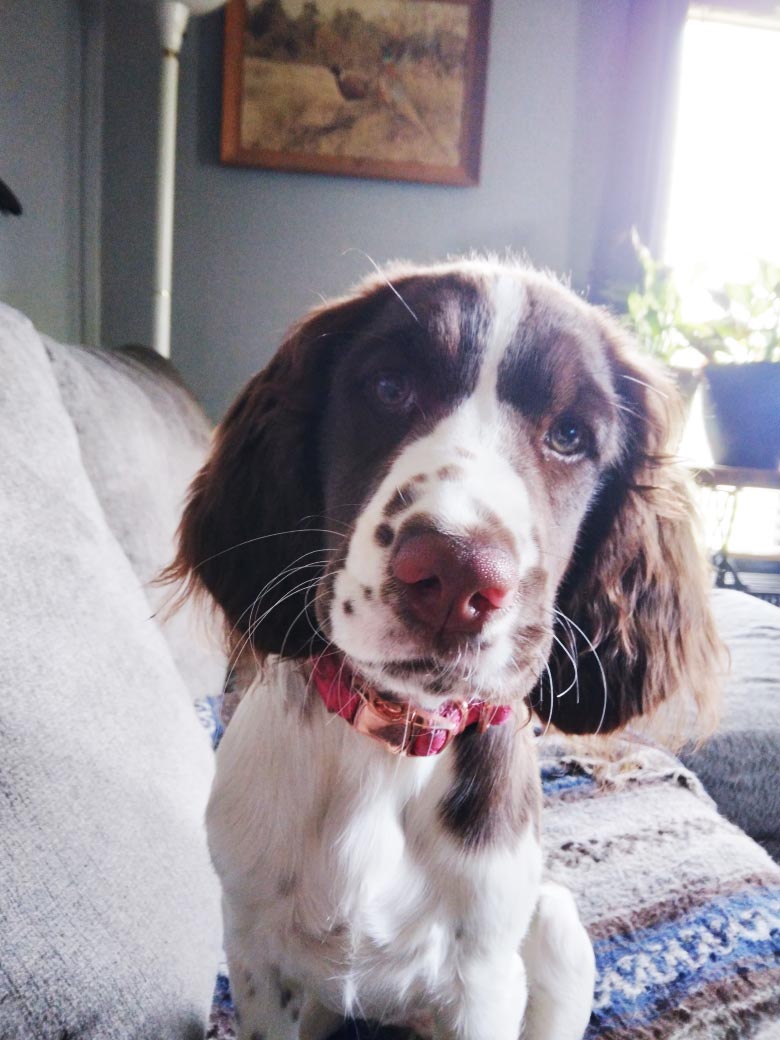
(173, 22)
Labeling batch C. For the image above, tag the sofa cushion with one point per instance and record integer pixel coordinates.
(740, 765)
(109, 909)
(142, 438)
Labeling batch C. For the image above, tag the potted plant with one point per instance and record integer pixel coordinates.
(736, 349)
(742, 380)
(654, 313)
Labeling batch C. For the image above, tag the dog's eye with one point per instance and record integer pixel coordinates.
(567, 437)
(393, 390)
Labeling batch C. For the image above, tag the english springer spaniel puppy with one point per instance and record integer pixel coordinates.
(444, 507)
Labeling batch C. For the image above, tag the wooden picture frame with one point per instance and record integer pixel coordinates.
(392, 89)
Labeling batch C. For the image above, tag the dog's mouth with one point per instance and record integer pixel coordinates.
(422, 681)
(427, 667)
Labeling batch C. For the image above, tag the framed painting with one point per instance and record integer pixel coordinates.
(367, 88)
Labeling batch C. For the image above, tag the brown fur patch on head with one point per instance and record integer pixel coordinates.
(638, 588)
(304, 434)
(256, 507)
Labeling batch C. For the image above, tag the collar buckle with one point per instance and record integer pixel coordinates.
(398, 726)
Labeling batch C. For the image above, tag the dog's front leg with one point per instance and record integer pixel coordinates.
(317, 1021)
(489, 1003)
(561, 969)
(266, 1008)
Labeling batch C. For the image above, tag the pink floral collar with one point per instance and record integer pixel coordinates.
(403, 728)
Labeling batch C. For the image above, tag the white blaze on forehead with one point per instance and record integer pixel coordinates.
(508, 302)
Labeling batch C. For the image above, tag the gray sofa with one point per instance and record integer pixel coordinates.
(740, 765)
(109, 910)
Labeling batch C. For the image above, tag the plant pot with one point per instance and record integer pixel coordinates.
(742, 414)
(687, 381)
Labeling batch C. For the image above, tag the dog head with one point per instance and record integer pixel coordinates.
(457, 477)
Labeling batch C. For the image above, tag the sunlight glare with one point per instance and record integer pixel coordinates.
(724, 207)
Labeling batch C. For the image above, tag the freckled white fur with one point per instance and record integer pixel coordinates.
(344, 894)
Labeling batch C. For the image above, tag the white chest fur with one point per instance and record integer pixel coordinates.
(337, 871)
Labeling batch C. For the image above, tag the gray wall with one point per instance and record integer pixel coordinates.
(254, 248)
(40, 149)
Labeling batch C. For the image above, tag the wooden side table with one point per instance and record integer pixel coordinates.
(727, 482)
(737, 477)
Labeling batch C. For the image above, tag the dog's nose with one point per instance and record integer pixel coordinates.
(454, 584)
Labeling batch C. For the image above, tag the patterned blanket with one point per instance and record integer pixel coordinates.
(683, 909)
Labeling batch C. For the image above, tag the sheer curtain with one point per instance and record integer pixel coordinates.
(640, 155)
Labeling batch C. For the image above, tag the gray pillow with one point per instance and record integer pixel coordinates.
(143, 437)
(740, 765)
(109, 909)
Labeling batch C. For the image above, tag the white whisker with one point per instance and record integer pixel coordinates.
(384, 278)
(598, 662)
(263, 537)
(647, 386)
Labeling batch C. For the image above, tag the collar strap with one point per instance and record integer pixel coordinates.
(402, 728)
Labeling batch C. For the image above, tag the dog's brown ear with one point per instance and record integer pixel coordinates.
(633, 610)
(251, 533)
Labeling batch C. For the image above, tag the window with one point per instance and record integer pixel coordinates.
(724, 206)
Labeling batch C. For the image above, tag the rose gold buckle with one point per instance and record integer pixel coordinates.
(380, 718)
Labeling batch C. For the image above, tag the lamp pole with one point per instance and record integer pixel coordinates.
(173, 16)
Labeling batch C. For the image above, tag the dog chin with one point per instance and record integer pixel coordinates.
(428, 681)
